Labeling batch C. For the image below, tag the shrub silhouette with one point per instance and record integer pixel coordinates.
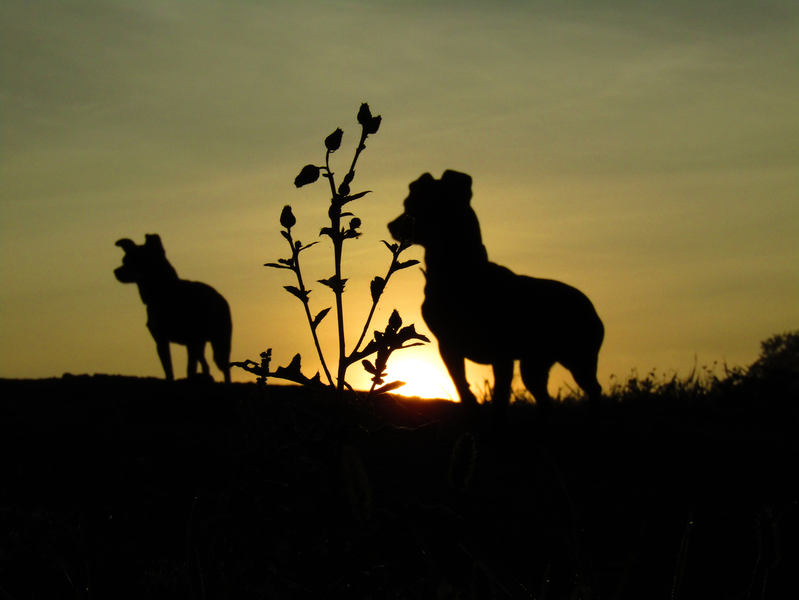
(484, 312)
(384, 343)
(184, 312)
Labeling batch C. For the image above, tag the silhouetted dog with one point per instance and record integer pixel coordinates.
(184, 312)
(488, 314)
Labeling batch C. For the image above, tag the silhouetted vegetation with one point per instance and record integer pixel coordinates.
(383, 344)
(685, 487)
(116, 487)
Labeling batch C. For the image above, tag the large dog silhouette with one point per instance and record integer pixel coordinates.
(484, 312)
(184, 312)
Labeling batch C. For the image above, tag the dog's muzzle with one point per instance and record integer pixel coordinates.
(401, 228)
(124, 275)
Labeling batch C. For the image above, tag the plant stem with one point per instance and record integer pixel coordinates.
(296, 255)
(338, 246)
(394, 262)
(338, 243)
(361, 147)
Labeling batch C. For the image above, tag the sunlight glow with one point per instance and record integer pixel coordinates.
(422, 379)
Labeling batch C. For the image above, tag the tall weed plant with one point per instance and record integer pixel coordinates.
(343, 226)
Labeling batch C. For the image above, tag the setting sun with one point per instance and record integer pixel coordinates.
(421, 379)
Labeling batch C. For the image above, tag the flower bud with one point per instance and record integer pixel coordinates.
(287, 218)
(364, 114)
(333, 141)
(394, 321)
(374, 124)
(309, 174)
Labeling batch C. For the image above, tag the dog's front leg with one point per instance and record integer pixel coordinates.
(166, 358)
(500, 397)
(196, 353)
(456, 365)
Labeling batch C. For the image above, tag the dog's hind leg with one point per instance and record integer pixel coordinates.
(584, 374)
(535, 375)
(500, 396)
(162, 346)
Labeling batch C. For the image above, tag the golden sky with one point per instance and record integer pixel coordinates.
(644, 152)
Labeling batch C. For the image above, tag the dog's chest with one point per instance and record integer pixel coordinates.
(476, 323)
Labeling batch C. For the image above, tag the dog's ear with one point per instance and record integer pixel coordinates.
(424, 183)
(457, 186)
(126, 244)
(153, 240)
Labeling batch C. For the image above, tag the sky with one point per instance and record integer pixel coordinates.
(644, 152)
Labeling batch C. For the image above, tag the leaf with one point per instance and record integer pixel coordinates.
(286, 235)
(409, 333)
(252, 367)
(297, 292)
(411, 345)
(405, 265)
(376, 287)
(369, 367)
(368, 350)
(388, 388)
(334, 283)
(328, 231)
(318, 318)
(392, 247)
(309, 174)
(294, 365)
(346, 199)
(301, 248)
(276, 266)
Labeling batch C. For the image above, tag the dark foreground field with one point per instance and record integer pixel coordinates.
(117, 487)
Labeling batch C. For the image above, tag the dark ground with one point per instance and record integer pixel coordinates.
(118, 487)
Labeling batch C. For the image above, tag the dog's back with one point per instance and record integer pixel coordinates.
(190, 312)
(491, 312)
(183, 312)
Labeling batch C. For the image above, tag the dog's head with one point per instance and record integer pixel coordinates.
(144, 263)
(438, 212)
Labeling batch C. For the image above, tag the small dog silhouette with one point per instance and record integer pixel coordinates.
(184, 312)
(484, 312)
